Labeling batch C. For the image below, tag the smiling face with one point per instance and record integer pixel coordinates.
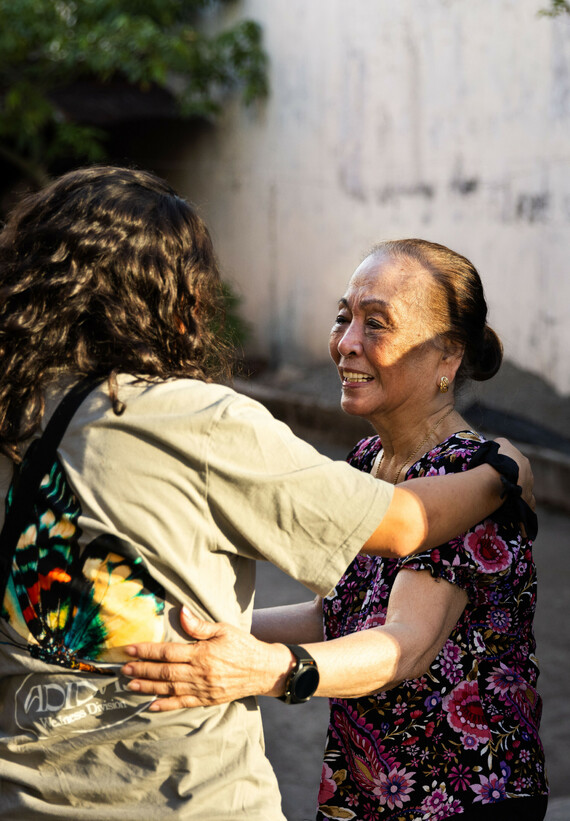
(386, 344)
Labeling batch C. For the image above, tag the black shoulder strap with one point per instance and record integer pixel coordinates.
(34, 469)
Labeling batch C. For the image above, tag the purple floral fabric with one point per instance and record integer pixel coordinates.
(465, 734)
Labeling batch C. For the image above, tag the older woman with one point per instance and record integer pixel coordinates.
(428, 661)
(130, 482)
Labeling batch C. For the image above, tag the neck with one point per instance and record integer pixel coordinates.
(408, 439)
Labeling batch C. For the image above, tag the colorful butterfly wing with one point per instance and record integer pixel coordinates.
(72, 607)
(130, 603)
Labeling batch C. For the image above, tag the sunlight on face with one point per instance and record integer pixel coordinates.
(384, 339)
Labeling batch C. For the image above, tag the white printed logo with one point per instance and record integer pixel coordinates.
(66, 705)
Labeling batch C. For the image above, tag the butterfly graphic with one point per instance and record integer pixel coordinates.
(77, 607)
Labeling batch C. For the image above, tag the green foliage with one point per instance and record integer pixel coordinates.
(237, 329)
(46, 45)
(556, 7)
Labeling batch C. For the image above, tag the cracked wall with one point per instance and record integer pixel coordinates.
(434, 118)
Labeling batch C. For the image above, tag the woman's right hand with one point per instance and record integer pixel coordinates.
(223, 664)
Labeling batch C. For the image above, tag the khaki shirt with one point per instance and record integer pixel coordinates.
(170, 503)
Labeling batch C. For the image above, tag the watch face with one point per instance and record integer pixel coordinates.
(306, 683)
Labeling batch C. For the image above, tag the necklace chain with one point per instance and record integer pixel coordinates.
(413, 453)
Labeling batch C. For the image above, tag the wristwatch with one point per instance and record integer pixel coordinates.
(303, 679)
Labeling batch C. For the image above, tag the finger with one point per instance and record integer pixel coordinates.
(160, 688)
(170, 652)
(196, 627)
(164, 705)
(532, 502)
(155, 671)
(172, 698)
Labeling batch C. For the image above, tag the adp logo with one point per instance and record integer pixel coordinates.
(65, 705)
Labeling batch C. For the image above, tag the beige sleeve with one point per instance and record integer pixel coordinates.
(274, 497)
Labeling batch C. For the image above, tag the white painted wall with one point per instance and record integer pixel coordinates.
(444, 119)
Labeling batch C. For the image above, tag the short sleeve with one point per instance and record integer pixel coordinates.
(450, 562)
(275, 497)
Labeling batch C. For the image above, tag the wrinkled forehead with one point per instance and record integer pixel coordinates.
(389, 279)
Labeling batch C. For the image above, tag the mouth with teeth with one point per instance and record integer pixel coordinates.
(354, 377)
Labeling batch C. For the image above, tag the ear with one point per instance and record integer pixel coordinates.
(451, 358)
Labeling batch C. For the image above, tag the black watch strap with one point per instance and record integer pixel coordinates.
(303, 679)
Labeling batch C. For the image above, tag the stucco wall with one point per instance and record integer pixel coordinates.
(444, 119)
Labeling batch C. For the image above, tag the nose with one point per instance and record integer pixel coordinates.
(349, 342)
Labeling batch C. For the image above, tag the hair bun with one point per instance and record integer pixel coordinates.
(485, 357)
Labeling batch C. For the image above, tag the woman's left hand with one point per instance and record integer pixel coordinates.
(224, 664)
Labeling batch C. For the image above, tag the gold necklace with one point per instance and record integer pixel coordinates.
(413, 453)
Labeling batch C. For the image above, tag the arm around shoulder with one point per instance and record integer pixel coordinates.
(427, 512)
(430, 511)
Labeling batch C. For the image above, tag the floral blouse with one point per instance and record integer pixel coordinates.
(465, 733)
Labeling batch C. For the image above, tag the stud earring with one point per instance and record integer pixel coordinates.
(443, 384)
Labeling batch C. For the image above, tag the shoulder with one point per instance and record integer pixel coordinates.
(364, 452)
(450, 456)
(142, 392)
(191, 391)
(173, 398)
(173, 413)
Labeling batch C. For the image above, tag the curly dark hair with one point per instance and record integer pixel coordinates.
(106, 270)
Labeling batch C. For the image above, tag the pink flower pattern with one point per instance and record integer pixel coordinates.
(464, 711)
(490, 790)
(394, 788)
(487, 548)
(328, 786)
(466, 732)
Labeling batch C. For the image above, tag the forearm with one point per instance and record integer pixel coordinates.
(465, 500)
(290, 624)
(367, 662)
(351, 666)
(428, 512)
(227, 663)
(360, 663)
(422, 612)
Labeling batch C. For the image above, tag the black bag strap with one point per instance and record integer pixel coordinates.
(33, 470)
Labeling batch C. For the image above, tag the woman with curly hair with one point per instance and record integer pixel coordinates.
(132, 483)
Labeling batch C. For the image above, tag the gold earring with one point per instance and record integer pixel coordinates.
(443, 384)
